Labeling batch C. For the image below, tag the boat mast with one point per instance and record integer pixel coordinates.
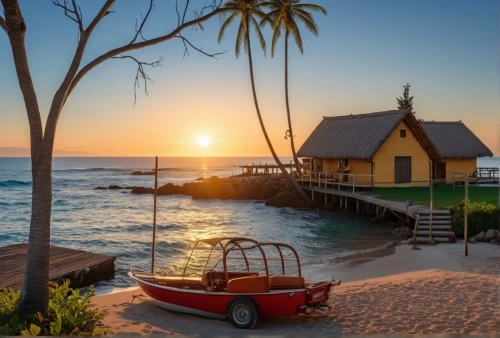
(154, 217)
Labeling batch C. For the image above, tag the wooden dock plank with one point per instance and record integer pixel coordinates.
(81, 267)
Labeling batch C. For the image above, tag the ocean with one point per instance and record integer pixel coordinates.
(118, 223)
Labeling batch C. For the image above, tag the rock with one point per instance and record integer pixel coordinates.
(100, 188)
(480, 236)
(490, 235)
(472, 239)
(142, 191)
(284, 199)
(498, 233)
(170, 189)
(402, 232)
(135, 173)
(114, 187)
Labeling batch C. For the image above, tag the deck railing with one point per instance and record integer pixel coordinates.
(335, 179)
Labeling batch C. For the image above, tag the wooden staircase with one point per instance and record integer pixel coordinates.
(441, 228)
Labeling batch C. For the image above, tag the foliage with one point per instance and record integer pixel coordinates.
(285, 14)
(443, 196)
(68, 313)
(248, 11)
(481, 216)
(406, 101)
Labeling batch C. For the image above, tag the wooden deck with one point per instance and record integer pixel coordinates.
(80, 267)
(400, 207)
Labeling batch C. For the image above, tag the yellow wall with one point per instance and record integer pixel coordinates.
(330, 165)
(397, 146)
(468, 165)
(357, 167)
(384, 162)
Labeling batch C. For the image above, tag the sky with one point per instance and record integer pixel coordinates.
(366, 50)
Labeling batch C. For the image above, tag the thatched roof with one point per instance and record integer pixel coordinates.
(455, 140)
(361, 136)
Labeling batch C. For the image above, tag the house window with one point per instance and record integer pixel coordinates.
(402, 133)
(318, 164)
(343, 163)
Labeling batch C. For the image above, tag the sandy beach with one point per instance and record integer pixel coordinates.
(432, 290)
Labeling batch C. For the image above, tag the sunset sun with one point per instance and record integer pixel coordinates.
(203, 141)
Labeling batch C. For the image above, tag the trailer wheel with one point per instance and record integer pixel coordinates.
(243, 313)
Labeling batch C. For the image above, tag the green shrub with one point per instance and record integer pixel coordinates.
(68, 313)
(481, 217)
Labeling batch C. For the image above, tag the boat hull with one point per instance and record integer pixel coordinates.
(216, 304)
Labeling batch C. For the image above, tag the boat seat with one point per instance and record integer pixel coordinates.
(286, 282)
(221, 276)
(250, 284)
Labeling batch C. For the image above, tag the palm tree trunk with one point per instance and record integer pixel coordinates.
(292, 145)
(269, 144)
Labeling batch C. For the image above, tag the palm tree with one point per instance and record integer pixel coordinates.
(248, 11)
(284, 15)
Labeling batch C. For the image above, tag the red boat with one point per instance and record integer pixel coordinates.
(233, 278)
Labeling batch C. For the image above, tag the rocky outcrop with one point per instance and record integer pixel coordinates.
(238, 188)
(142, 191)
(287, 199)
(491, 236)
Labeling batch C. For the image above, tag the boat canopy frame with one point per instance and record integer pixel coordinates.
(228, 244)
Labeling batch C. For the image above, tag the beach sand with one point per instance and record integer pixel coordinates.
(433, 290)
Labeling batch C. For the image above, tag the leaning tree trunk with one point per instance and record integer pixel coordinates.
(35, 291)
(292, 144)
(269, 144)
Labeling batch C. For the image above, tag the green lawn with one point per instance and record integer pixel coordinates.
(444, 196)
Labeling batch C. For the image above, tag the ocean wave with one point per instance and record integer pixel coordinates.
(92, 169)
(14, 183)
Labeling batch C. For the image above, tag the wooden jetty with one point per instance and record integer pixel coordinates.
(264, 168)
(80, 267)
(369, 204)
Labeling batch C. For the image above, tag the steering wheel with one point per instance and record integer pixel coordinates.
(213, 279)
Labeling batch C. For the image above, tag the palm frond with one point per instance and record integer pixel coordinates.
(311, 7)
(276, 36)
(260, 37)
(295, 32)
(225, 25)
(240, 38)
(310, 24)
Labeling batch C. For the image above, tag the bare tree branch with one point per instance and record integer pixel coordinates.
(185, 11)
(138, 31)
(62, 92)
(74, 14)
(138, 45)
(141, 73)
(186, 42)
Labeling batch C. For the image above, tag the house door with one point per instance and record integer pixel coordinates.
(402, 169)
(440, 170)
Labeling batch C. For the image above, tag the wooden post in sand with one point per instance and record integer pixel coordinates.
(466, 204)
(154, 218)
